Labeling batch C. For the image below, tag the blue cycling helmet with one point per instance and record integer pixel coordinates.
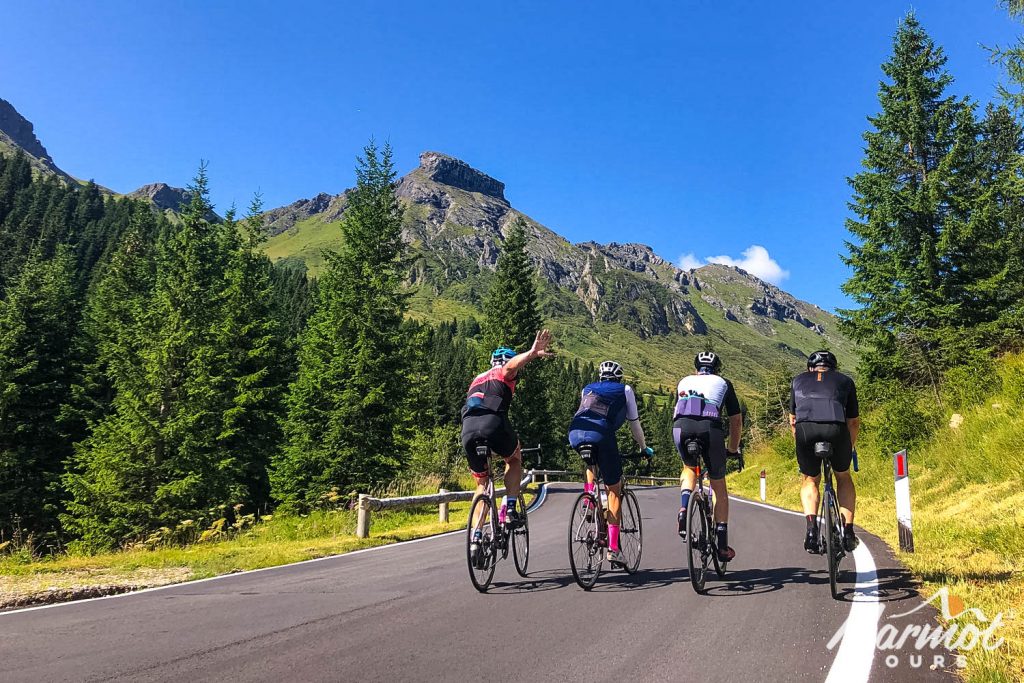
(502, 355)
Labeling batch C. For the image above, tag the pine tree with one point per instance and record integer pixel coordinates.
(37, 323)
(156, 458)
(348, 399)
(902, 251)
(512, 318)
(252, 366)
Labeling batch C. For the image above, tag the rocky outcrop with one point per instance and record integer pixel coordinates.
(283, 218)
(168, 198)
(17, 132)
(447, 170)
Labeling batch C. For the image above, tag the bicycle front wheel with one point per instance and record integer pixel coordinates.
(631, 532)
(521, 540)
(586, 552)
(832, 542)
(482, 552)
(698, 541)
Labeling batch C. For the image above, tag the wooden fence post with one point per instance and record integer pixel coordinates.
(442, 510)
(363, 521)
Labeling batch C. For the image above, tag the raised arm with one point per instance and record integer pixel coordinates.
(538, 350)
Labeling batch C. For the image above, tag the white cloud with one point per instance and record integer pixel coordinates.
(689, 262)
(757, 261)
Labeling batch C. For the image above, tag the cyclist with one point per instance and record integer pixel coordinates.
(604, 406)
(823, 407)
(485, 419)
(699, 413)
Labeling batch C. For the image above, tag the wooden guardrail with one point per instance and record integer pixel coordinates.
(367, 504)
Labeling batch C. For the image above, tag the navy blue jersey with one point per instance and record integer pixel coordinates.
(606, 405)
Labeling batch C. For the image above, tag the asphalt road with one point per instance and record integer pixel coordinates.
(409, 612)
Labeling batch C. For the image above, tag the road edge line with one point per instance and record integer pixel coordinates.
(533, 506)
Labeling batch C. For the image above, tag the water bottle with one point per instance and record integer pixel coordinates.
(604, 499)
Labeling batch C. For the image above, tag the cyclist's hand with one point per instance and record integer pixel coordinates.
(541, 343)
(648, 452)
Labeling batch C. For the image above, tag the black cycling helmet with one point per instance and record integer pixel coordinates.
(826, 358)
(709, 360)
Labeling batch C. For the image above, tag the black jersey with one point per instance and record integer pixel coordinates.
(827, 396)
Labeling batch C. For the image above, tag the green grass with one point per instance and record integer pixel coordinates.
(281, 540)
(968, 511)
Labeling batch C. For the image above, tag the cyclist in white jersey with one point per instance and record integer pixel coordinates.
(704, 399)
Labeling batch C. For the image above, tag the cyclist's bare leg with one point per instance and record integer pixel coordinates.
(721, 500)
(809, 494)
(688, 478)
(847, 495)
(481, 488)
(514, 472)
(614, 503)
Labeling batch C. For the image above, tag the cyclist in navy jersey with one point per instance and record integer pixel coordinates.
(823, 407)
(485, 417)
(604, 406)
(704, 399)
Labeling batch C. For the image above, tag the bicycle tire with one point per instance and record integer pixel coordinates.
(482, 571)
(697, 541)
(831, 543)
(631, 532)
(586, 553)
(521, 540)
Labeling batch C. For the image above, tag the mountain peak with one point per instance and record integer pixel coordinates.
(448, 170)
(168, 198)
(17, 131)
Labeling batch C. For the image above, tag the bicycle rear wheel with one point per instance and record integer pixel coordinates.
(630, 532)
(586, 552)
(521, 540)
(698, 539)
(832, 542)
(482, 560)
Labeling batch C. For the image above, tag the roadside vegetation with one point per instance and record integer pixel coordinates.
(29, 579)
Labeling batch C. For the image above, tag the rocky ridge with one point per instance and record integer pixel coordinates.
(18, 132)
(456, 220)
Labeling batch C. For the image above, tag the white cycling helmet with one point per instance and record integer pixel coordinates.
(610, 370)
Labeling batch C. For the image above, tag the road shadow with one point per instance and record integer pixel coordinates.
(894, 585)
(758, 581)
(545, 580)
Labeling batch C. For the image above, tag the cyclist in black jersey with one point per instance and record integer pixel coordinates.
(823, 407)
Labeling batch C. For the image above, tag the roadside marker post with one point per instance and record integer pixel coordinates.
(901, 475)
(363, 520)
(442, 509)
(763, 491)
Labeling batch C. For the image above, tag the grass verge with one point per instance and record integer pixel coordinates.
(282, 540)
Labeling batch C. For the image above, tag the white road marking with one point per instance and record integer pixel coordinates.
(860, 632)
(533, 506)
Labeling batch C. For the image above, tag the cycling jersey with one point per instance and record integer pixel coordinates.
(489, 392)
(704, 396)
(827, 396)
(605, 406)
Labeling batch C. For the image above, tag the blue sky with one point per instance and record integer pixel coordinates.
(702, 128)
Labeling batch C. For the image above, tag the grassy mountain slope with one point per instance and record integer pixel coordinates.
(615, 300)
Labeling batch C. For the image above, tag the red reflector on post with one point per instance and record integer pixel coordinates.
(901, 464)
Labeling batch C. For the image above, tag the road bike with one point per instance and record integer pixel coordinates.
(830, 542)
(701, 539)
(497, 533)
(588, 527)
